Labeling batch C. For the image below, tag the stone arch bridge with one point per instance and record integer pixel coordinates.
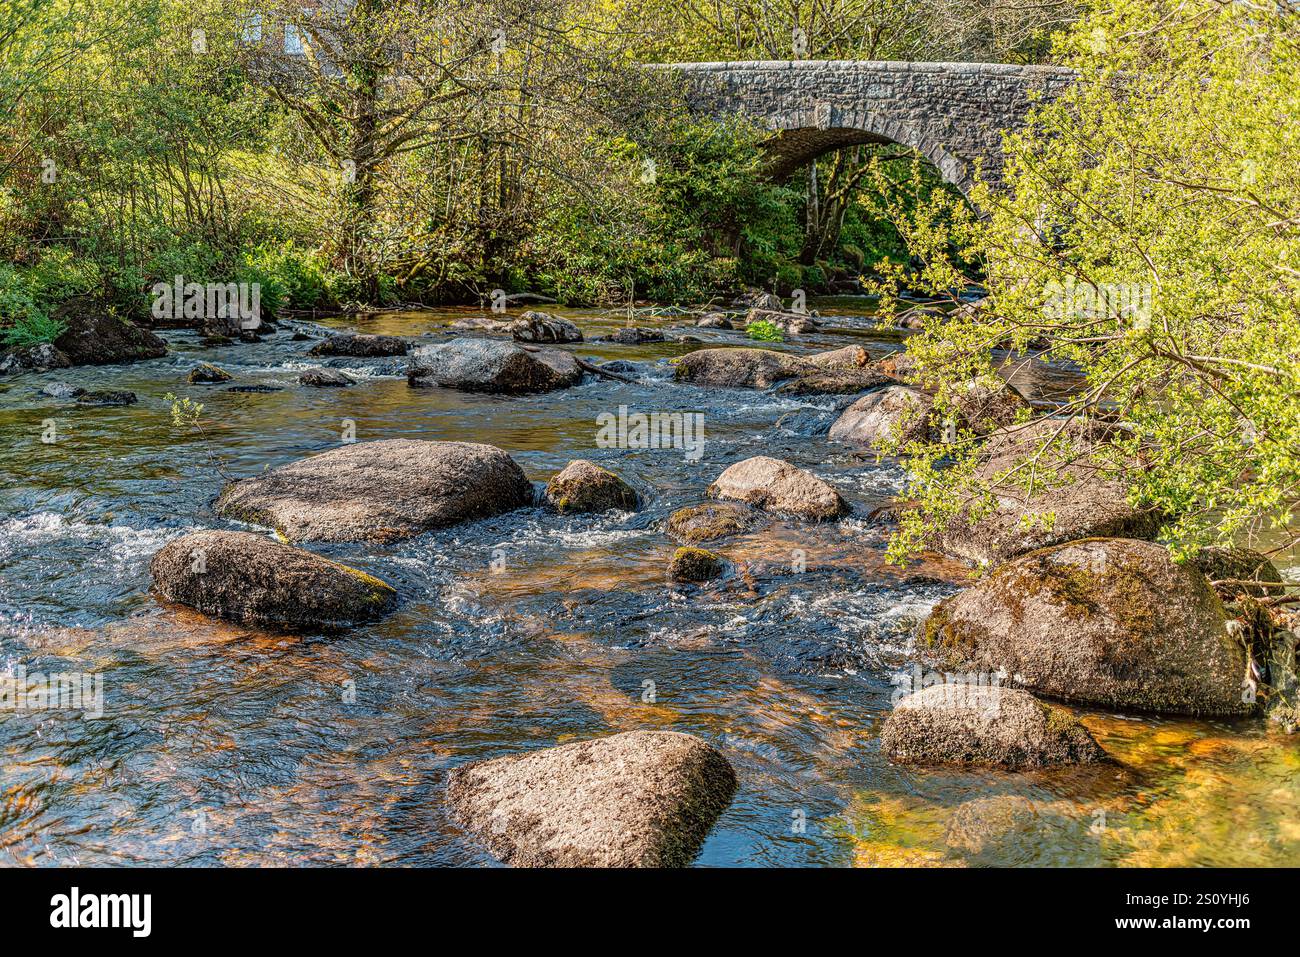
(951, 113)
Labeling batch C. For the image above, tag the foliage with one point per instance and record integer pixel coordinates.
(764, 331)
(1149, 237)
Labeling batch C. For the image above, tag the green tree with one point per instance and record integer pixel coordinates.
(1147, 235)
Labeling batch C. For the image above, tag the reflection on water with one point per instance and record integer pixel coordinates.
(223, 745)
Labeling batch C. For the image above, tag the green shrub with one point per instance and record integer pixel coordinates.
(23, 320)
(764, 331)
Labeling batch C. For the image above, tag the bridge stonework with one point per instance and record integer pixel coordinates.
(952, 113)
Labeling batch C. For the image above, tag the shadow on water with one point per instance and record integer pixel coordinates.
(221, 745)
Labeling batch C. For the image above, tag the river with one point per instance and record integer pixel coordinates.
(225, 746)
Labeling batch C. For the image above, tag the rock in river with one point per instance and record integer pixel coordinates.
(543, 327)
(379, 491)
(489, 365)
(777, 486)
(325, 379)
(1112, 622)
(360, 346)
(206, 372)
(690, 564)
(255, 580)
(41, 357)
(637, 799)
(1086, 502)
(583, 486)
(987, 725)
(714, 520)
(893, 413)
(762, 368)
(107, 397)
(92, 338)
(1238, 570)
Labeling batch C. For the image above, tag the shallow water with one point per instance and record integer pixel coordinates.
(225, 746)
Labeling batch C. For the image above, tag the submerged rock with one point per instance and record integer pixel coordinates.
(490, 365)
(710, 522)
(777, 486)
(637, 799)
(633, 336)
(360, 346)
(985, 725)
(543, 327)
(255, 387)
(107, 397)
(1085, 502)
(206, 372)
(1112, 622)
(254, 580)
(379, 491)
(95, 339)
(62, 390)
(583, 486)
(325, 379)
(690, 564)
(1238, 570)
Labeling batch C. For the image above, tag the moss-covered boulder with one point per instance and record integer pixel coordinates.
(379, 491)
(710, 522)
(1078, 493)
(254, 580)
(206, 372)
(1234, 571)
(637, 799)
(1113, 622)
(690, 564)
(777, 486)
(986, 725)
(583, 486)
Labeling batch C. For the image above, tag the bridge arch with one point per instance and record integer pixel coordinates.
(953, 114)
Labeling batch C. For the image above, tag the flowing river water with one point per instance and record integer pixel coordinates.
(220, 745)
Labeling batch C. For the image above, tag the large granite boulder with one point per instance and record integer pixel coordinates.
(985, 725)
(1083, 500)
(763, 368)
(637, 799)
(894, 413)
(1112, 622)
(379, 491)
(255, 580)
(490, 365)
(777, 486)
